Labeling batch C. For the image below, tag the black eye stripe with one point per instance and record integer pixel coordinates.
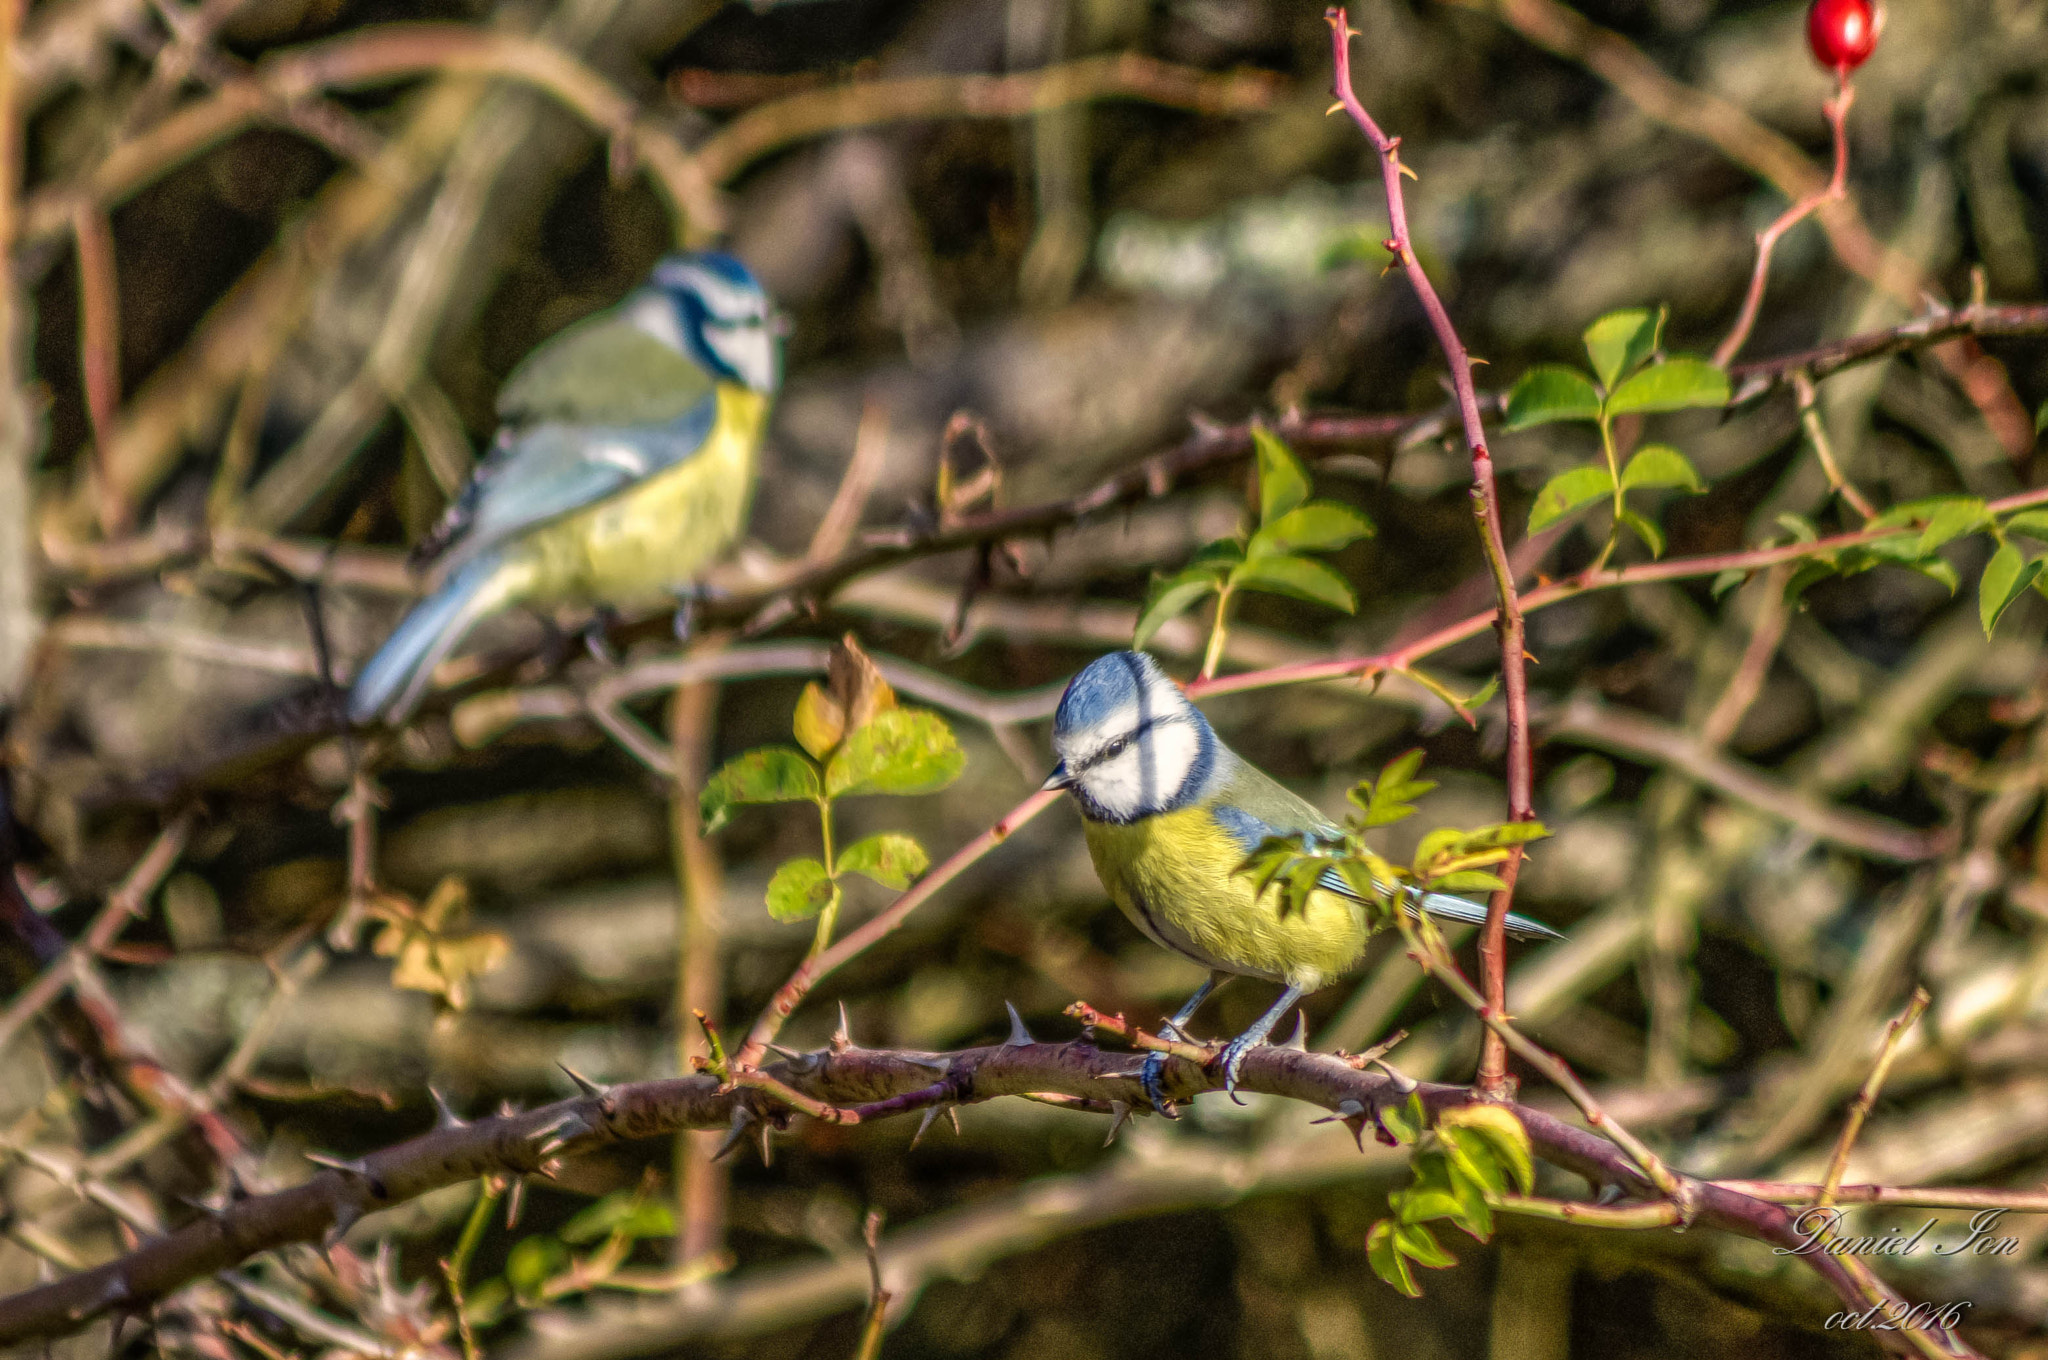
(1117, 747)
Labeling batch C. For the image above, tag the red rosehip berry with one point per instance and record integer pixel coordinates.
(1843, 33)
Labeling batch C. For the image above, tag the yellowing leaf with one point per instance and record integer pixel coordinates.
(772, 774)
(904, 751)
(820, 721)
(799, 890)
(891, 859)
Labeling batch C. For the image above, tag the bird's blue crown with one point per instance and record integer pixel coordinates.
(1107, 684)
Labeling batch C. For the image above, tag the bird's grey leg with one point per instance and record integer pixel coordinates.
(1155, 1063)
(1234, 1051)
(597, 637)
(685, 621)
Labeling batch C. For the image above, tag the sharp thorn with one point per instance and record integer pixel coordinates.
(741, 1117)
(345, 1166)
(1020, 1037)
(444, 1113)
(515, 1202)
(767, 1151)
(1403, 1083)
(1346, 1109)
(923, 1124)
(1119, 1115)
(787, 1054)
(551, 1147)
(953, 1118)
(842, 1038)
(939, 1065)
(583, 1083)
(345, 1216)
(1298, 1041)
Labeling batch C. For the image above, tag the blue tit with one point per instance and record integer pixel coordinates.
(1171, 813)
(623, 466)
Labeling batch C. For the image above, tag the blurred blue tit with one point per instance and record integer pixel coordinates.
(1171, 813)
(622, 468)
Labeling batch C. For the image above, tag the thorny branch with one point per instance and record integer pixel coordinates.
(858, 1084)
(1493, 946)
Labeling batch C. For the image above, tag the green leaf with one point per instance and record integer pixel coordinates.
(1468, 880)
(904, 750)
(1727, 581)
(1415, 1241)
(1799, 526)
(1319, 526)
(628, 1213)
(1298, 577)
(1918, 511)
(1498, 1128)
(1938, 569)
(1567, 491)
(799, 890)
(2041, 417)
(1674, 385)
(1652, 536)
(1171, 597)
(534, 1262)
(1430, 1196)
(1959, 516)
(1811, 572)
(1361, 246)
(1282, 483)
(1405, 1121)
(1551, 392)
(1619, 342)
(1387, 1261)
(773, 774)
(1660, 465)
(2032, 523)
(2006, 578)
(891, 859)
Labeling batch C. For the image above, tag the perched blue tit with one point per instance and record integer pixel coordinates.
(1171, 814)
(622, 467)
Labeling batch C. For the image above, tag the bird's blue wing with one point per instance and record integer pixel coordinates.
(1248, 831)
(546, 471)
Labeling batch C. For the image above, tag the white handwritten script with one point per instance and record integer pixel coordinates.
(1822, 1229)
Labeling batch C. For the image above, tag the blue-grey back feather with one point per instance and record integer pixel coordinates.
(547, 471)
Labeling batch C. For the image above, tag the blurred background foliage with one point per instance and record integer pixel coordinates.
(1083, 281)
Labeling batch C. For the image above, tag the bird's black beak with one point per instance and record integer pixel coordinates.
(1057, 780)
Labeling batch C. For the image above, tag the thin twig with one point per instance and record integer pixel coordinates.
(1836, 189)
(1866, 1099)
(1817, 433)
(128, 901)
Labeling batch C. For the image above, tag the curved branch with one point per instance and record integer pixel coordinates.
(531, 1144)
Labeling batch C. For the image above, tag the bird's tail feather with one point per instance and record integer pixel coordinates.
(1474, 913)
(395, 678)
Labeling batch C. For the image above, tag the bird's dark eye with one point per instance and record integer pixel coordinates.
(1116, 748)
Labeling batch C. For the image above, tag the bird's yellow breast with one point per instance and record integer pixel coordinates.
(1175, 875)
(637, 548)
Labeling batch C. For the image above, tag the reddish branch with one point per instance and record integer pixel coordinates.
(859, 1084)
(1834, 191)
(1493, 953)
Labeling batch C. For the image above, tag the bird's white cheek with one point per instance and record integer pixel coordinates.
(1148, 775)
(749, 350)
